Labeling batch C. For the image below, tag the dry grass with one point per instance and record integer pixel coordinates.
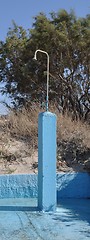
(76, 130)
(73, 137)
(24, 124)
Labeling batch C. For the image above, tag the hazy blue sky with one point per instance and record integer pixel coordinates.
(23, 11)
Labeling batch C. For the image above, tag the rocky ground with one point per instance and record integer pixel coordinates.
(17, 156)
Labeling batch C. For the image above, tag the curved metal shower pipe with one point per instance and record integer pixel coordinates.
(35, 58)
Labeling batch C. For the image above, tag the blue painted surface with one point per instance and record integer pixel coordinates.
(18, 186)
(71, 221)
(47, 161)
(73, 185)
(68, 185)
(21, 220)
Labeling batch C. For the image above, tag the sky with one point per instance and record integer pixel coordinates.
(23, 12)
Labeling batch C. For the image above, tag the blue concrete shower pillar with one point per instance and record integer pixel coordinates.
(47, 161)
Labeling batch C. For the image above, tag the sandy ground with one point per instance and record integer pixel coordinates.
(17, 156)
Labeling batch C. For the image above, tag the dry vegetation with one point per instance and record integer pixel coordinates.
(19, 140)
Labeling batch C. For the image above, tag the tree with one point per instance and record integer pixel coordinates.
(12, 62)
(74, 68)
(67, 41)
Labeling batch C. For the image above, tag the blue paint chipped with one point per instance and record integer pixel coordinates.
(18, 186)
(21, 220)
(68, 185)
